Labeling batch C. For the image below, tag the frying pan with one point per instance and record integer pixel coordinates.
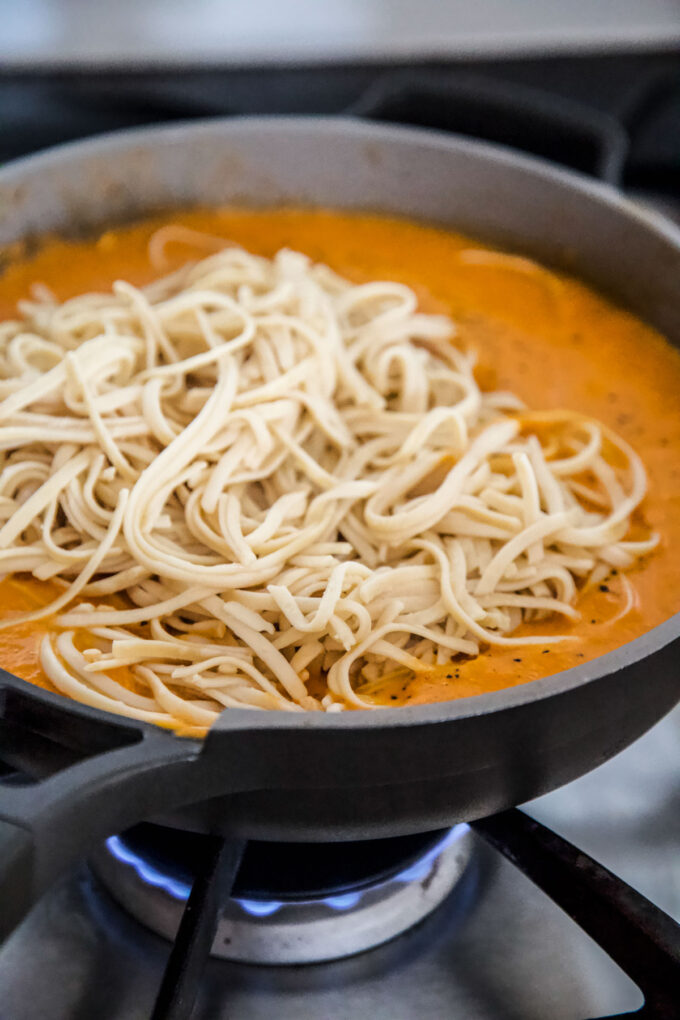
(317, 776)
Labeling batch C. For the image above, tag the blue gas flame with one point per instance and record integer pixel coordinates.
(264, 908)
(152, 876)
(421, 868)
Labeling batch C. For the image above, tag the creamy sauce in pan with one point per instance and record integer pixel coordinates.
(546, 337)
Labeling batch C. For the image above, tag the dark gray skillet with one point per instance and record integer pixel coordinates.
(356, 775)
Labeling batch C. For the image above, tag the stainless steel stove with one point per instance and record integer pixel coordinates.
(456, 929)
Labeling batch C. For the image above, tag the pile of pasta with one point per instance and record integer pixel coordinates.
(263, 486)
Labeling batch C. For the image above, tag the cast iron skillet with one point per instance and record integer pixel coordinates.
(356, 775)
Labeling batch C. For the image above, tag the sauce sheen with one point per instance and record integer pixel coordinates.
(547, 337)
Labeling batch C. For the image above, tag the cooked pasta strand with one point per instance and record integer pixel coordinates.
(267, 476)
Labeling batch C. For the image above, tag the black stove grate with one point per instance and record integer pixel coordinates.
(640, 938)
(617, 116)
(218, 867)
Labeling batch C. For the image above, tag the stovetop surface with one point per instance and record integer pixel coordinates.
(497, 948)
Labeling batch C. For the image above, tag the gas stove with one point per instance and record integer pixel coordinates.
(433, 925)
(480, 940)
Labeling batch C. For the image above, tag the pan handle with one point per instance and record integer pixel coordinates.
(16, 848)
(69, 779)
(48, 825)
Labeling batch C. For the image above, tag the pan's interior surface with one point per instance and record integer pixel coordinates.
(481, 754)
(483, 190)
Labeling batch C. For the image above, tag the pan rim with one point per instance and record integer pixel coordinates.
(507, 698)
(648, 218)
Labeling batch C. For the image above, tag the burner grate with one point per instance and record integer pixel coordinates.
(642, 939)
(213, 883)
(592, 113)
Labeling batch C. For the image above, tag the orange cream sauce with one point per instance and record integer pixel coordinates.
(548, 338)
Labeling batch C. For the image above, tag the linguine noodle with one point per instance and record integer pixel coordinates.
(263, 486)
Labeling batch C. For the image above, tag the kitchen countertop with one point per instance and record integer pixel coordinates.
(175, 32)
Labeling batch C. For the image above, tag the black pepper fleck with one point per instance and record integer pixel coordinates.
(516, 660)
(546, 651)
(604, 587)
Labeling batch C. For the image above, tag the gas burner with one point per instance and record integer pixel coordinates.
(320, 901)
